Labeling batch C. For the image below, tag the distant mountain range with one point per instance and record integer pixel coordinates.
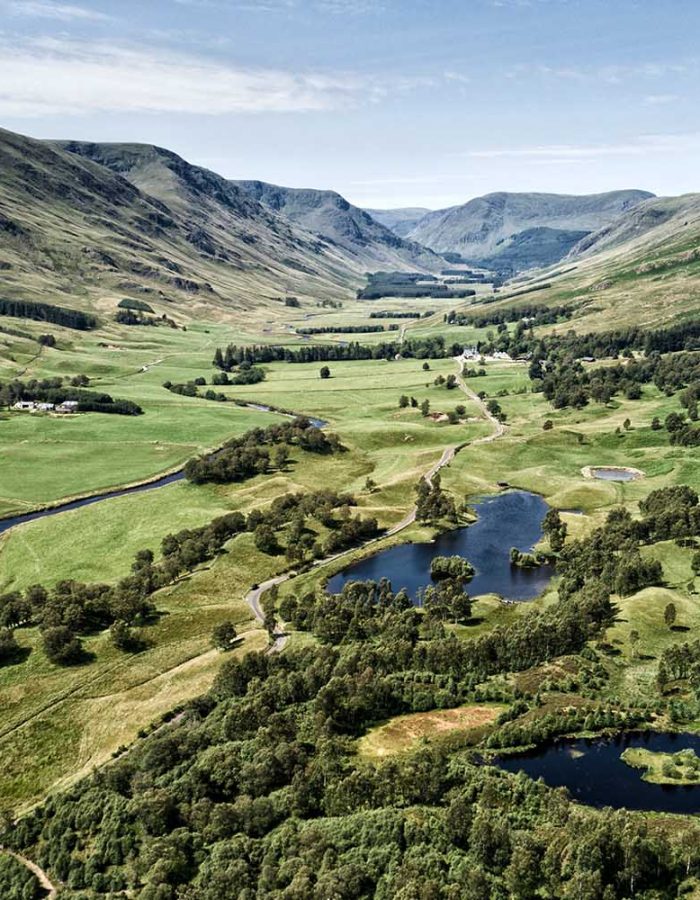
(86, 225)
(90, 223)
(512, 232)
(330, 216)
(400, 221)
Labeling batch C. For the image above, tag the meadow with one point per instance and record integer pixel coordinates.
(61, 722)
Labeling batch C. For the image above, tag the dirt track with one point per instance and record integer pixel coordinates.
(448, 454)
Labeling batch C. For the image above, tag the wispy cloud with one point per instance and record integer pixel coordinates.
(660, 99)
(51, 76)
(608, 74)
(333, 7)
(641, 146)
(45, 9)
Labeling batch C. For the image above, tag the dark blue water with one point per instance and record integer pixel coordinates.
(594, 774)
(5, 524)
(511, 519)
(87, 501)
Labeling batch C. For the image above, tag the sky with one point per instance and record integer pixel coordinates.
(390, 102)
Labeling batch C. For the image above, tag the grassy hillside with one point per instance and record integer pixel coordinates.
(76, 231)
(478, 229)
(644, 270)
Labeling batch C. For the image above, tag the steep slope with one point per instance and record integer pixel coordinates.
(478, 228)
(644, 269)
(72, 224)
(658, 219)
(330, 216)
(534, 247)
(400, 221)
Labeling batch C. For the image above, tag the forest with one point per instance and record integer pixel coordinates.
(257, 785)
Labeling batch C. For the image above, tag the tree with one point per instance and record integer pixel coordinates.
(548, 425)
(554, 530)
(9, 648)
(695, 563)
(425, 407)
(61, 646)
(627, 424)
(265, 539)
(403, 401)
(281, 457)
(370, 484)
(325, 372)
(670, 614)
(121, 636)
(656, 424)
(224, 635)
(426, 366)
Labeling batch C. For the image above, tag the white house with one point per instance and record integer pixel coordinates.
(68, 406)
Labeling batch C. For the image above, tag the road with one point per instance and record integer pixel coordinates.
(33, 867)
(448, 454)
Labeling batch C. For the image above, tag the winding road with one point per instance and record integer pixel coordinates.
(448, 454)
(41, 875)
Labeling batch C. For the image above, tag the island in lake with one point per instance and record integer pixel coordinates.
(682, 767)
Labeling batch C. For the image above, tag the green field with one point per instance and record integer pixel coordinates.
(60, 722)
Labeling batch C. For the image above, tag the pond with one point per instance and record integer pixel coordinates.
(593, 773)
(511, 519)
(612, 473)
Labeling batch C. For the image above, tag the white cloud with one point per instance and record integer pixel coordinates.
(660, 99)
(46, 9)
(53, 76)
(644, 145)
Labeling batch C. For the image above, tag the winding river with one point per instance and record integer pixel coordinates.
(12, 521)
(510, 519)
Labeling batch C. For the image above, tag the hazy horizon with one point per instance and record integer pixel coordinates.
(424, 104)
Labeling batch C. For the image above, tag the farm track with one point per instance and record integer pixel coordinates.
(36, 870)
(448, 454)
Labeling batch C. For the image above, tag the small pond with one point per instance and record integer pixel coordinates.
(511, 519)
(613, 473)
(593, 773)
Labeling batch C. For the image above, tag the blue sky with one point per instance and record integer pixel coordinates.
(392, 102)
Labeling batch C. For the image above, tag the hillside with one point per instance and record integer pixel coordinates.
(87, 224)
(642, 270)
(658, 219)
(327, 214)
(400, 221)
(485, 228)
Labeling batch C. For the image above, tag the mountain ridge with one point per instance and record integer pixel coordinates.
(480, 229)
(329, 214)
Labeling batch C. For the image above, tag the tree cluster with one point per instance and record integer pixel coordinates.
(45, 312)
(56, 390)
(249, 455)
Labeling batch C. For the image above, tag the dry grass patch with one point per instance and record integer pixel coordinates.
(404, 732)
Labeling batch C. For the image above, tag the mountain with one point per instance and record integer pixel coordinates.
(400, 221)
(330, 216)
(653, 221)
(89, 224)
(500, 229)
(643, 269)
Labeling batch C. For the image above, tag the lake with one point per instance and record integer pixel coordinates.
(593, 773)
(510, 519)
